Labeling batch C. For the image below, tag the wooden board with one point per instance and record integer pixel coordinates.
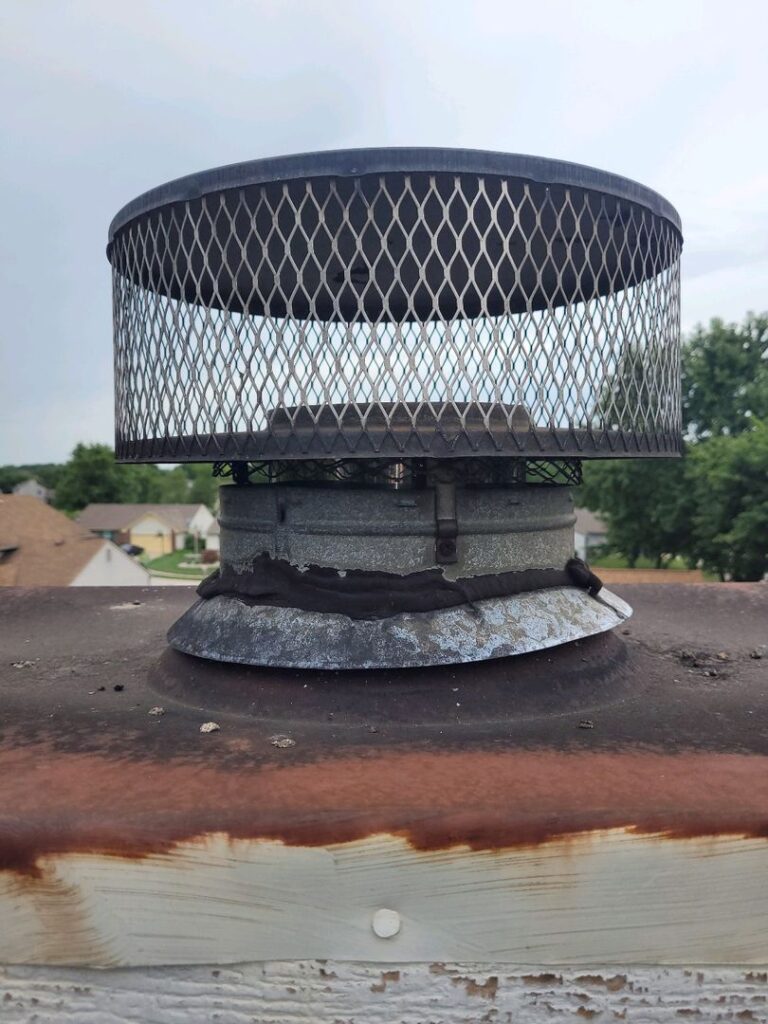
(609, 897)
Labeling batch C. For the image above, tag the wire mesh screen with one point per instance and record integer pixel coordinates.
(404, 313)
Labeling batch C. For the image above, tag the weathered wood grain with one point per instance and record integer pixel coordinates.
(611, 897)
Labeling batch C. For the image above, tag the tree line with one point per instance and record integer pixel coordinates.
(711, 507)
(92, 475)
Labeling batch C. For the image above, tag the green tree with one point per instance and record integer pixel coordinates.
(175, 485)
(93, 475)
(662, 508)
(203, 485)
(728, 478)
(646, 504)
(725, 377)
(149, 483)
(46, 473)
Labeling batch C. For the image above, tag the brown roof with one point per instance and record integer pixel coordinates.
(612, 576)
(49, 550)
(588, 522)
(104, 516)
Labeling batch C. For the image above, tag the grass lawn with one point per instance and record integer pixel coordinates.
(170, 563)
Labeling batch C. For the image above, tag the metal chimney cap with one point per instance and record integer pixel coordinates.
(387, 303)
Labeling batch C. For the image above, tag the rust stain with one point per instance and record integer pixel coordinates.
(543, 979)
(757, 976)
(386, 978)
(54, 802)
(441, 969)
(613, 984)
(61, 910)
(586, 1013)
(485, 990)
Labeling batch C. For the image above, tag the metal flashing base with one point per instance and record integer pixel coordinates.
(226, 628)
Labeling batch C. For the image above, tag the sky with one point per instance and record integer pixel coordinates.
(103, 99)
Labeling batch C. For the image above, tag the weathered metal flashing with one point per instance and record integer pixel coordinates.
(226, 628)
(505, 585)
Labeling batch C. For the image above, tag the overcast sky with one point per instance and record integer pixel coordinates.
(103, 99)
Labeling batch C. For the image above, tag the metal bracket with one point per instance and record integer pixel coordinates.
(240, 474)
(446, 526)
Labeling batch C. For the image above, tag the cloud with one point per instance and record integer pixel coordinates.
(105, 100)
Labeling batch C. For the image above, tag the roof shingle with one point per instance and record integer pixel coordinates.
(43, 548)
(118, 516)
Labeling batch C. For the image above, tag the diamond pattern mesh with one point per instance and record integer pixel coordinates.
(395, 474)
(396, 315)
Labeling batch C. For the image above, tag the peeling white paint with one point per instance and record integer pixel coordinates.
(330, 992)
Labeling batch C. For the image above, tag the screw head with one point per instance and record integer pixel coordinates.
(386, 923)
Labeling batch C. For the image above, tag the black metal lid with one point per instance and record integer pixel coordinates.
(351, 163)
(395, 235)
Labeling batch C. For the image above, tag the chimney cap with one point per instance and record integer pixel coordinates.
(396, 302)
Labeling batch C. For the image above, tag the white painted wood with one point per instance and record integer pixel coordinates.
(201, 521)
(306, 992)
(610, 897)
(111, 567)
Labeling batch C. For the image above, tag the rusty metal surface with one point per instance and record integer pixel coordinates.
(224, 628)
(661, 727)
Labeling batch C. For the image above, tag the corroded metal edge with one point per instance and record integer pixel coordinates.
(225, 628)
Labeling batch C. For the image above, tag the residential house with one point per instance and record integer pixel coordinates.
(158, 529)
(33, 489)
(591, 532)
(41, 547)
(213, 537)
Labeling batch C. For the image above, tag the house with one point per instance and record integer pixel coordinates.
(213, 537)
(591, 532)
(33, 489)
(41, 547)
(159, 529)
